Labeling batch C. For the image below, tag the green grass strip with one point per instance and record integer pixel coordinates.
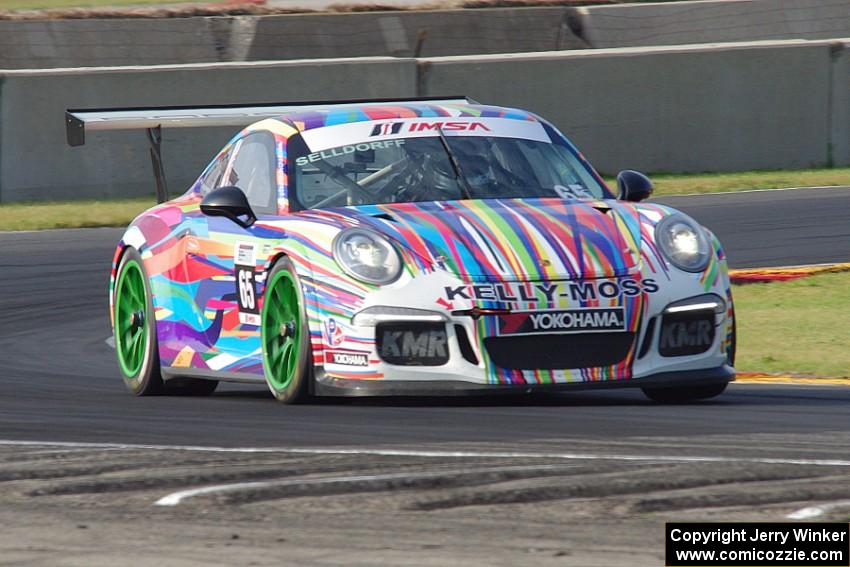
(690, 183)
(119, 212)
(72, 214)
(797, 327)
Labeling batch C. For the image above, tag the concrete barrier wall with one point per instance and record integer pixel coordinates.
(838, 145)
(405, 34)
(677, 23)
(695, 108)
(43, 44)
(110, 42)
(691, 108)
(36, 162)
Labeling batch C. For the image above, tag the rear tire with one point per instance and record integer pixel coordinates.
(134, 327)
(287, 356)
(684, 394)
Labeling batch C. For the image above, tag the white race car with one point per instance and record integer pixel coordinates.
(412, 247)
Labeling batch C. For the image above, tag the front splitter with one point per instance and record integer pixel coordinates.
(329, 386)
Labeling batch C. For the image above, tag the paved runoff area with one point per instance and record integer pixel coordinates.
(574, 502)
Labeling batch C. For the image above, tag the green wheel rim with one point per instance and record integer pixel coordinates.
(131, 319)
(281, 330)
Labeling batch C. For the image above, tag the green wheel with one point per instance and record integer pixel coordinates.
(134, 328)
(285, 335)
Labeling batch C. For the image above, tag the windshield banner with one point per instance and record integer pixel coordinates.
(319, 139)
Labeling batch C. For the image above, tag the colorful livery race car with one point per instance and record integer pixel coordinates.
(405, 248)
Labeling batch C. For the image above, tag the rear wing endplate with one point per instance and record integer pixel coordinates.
(154, 119)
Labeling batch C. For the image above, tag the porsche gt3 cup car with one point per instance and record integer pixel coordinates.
(411, 247)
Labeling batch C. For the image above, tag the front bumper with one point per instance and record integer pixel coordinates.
(330, 386)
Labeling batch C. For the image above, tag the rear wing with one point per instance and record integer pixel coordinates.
(154, 119)
(79, 121)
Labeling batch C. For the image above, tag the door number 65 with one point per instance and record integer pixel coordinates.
(246, 289)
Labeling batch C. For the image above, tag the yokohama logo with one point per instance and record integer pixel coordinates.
(349, 358)
(571, 320)
(566, 321)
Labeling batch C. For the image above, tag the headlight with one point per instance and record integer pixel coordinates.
(683, 243)
(367, 256)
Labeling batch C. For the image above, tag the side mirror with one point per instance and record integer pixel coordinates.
(633, 186)
(229, 202)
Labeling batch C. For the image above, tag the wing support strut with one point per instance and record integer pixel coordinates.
(155, 139)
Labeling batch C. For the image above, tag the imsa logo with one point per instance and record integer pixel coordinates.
(393, 128)
(386, 129)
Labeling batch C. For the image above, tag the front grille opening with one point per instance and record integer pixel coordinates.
(559, 351)
(413, 344)
(686, 334)
(647, 338)
(466, 349)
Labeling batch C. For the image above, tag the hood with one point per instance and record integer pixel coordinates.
(513, 239)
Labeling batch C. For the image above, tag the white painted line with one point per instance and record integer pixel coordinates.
(794, 267)
(110, 341)
(814, 187)
(60, 230)
(176, 498)
(743, 381)
(815, 511)
(434, 453)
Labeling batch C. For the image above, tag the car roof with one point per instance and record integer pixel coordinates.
(312, 118)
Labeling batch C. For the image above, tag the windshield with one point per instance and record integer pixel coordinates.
(437, 168)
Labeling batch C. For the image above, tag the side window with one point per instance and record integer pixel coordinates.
(252, 170)
(213, 177)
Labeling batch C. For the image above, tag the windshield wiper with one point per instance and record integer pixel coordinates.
(464, 185)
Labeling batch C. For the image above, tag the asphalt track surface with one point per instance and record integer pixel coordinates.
(776, 228)
(580, 479)
(59, 380)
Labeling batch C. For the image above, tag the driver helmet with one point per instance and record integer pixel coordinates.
(438, 174)
(476, 168)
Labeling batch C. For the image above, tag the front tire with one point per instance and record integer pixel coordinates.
(684, 393)
(287, 356)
